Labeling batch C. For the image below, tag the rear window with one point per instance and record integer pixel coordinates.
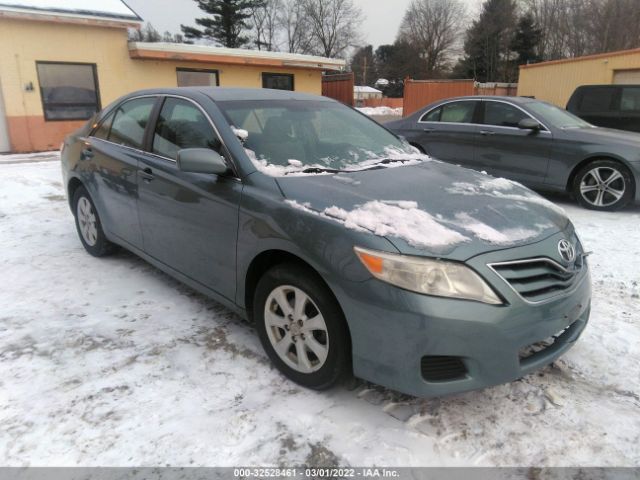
(597, 100)
(630, 100)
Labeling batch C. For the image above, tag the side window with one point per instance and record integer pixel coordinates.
(596, 100)
(103, 130)
(182, 125)
(458, 112)
(630, 100)
(502, 114)
(130, 120)
(278, 81)
(432, 116)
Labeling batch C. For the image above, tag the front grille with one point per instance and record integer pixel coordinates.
(441, 368)
(538, 279)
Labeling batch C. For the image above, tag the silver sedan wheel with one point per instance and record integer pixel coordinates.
(87, 221)
(296, 329)
(602, 186)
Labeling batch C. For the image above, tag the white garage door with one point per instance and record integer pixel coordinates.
(4, 134)
(627, 77)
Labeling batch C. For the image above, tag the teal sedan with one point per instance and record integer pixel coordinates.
(350, 251)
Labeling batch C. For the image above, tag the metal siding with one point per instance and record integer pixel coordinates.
(554, 82)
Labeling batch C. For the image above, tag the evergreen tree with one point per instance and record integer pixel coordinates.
(225, 23)
(487, 44)
(363, 66)
(526, 40)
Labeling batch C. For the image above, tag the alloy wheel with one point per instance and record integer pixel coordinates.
(87, 221)
(296, 329)
(602, 186)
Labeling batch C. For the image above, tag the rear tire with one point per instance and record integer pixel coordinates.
(302, 327)
(604, 185)
(89, 226)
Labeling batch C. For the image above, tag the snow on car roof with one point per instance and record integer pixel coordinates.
(113, 9)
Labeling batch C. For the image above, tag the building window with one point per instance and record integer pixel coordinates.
(278, 81)
(189, 77)
(69, 91)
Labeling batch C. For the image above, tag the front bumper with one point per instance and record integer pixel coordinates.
(392, 330)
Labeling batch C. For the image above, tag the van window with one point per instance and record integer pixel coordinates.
(597, 100)
(630, 100)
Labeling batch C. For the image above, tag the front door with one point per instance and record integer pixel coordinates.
(189, 220)
(504, 150)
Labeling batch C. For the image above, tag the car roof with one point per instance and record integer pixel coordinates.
(221, 94)
(491, 97)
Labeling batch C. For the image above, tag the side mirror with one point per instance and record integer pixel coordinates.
(529, 124)
(201, 160)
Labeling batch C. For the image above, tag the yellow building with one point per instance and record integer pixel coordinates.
(59, 65)
(556, 80)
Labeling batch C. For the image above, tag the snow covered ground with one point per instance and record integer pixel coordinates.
(111, 362)
(380, 111)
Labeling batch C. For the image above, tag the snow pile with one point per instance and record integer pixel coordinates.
(400, 219)
(497, 237)
(503, 188)
(381, 111)
(241, 133)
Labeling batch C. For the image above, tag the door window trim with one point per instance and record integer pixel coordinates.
(478, 101)
(483, 100)
(151, 127)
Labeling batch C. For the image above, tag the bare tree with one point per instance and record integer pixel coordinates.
(572, 28)
(434, 27)
(334, 25)
(295, 27)
(266, 25)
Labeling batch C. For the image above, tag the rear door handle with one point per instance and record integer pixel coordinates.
(487, 132)
(146, 174)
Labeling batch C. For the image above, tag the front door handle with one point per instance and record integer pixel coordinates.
(487, 132)
(428, 130)
(86, 153)
(146, 174)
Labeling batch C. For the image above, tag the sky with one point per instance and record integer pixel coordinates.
(382, 17)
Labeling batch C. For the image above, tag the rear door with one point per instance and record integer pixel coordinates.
(504, 150)
(448, 132)
(189, 220)
(115, 148)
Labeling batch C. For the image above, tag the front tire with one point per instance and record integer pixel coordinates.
(301, 326)
(604, 185)
(89, 226)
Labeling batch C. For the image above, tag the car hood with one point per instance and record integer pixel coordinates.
(430, 208)
(604, 135)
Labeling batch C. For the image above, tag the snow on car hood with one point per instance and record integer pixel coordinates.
(432, 208)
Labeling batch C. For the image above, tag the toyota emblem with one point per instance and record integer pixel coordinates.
(566, 250)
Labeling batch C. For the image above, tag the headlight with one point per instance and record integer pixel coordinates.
(431, 277)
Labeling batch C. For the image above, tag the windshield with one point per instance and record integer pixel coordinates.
(300, 134)
(555, 116)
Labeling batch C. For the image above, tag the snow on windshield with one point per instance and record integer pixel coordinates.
(392, 157)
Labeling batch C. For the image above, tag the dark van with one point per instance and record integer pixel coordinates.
(610, 106)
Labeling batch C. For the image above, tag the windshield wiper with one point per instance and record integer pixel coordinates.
(387, 161)
(316, 170)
